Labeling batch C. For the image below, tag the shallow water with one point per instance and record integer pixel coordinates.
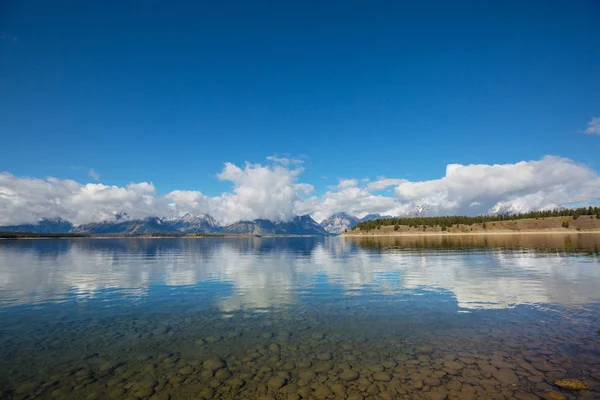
(466, 317)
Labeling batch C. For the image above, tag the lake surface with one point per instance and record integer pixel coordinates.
(466, 317)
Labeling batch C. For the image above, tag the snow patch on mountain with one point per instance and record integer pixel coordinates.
(339, 222)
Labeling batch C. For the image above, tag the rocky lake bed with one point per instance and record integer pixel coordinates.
(387, 339)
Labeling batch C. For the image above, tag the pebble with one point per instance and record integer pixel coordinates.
(571, 384)
(382, 377)
(506, 376)
(276, 383)
(305, 392)
(214, 364)
(275, 348)
(186, 370)
(322, 392)
(235, 382)
(308, 375)
(223, 374)
(552, 395)
(349, 375)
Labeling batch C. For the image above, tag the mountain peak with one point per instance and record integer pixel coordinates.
(339, 222)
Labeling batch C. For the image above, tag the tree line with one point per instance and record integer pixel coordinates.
(447, 221)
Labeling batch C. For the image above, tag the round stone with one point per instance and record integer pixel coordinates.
(349, 375)
(289, 389)
(276, 383)
(339, 389)
(274, 347)
(506, 376)
(324, 356)
(552, 395)
(223, 374)
(308, 375)
(322, 392)
(214, 364)
(186, 370)
(305, 392)
(382, 377)
(235, 383)
(206, 393)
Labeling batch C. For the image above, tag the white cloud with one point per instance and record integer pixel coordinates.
(383, 182)
(285, 161)
(546, 183)
(353, 200)
(275, 192)
(94, 174)
(347, 183)
(593, 127)
(261, 192)
(25, 200)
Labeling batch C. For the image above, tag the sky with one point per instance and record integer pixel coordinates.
(269, 109)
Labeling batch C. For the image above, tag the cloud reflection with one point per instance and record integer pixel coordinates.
(266, 273)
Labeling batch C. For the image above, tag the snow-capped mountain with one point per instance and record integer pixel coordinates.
(419, 211)
(504, 209)
(185, 224)
(300, 225)
(193, 223)
(339, 222)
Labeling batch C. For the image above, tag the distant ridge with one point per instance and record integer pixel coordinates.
(300, 225)
(45, 225)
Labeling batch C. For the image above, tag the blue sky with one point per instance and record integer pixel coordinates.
(168, 91)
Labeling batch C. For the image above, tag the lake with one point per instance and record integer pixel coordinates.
(466, 317)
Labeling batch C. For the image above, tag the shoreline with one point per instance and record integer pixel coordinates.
(543, 232)
(229, 236)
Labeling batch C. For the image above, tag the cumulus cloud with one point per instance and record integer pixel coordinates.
(593, 127)
(24, 200)
(275, 192)
(269, 192)
(347, 183)
(545, 183)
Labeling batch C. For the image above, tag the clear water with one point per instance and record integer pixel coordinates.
(468, 317)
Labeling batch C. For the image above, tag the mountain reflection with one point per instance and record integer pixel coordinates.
(263, 273)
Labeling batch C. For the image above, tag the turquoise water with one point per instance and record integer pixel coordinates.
(290, 318)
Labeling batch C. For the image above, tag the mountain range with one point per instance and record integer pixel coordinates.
(188, 223)
(299, 225)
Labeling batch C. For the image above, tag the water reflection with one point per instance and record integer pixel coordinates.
(265, 273)
(272, 318)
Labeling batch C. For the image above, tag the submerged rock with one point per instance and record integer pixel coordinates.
(276, 383)
(349, 375)
(553, 396)
(214, 364)
(382, 377)
(571, 384)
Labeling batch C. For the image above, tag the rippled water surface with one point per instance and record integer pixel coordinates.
(469, 317)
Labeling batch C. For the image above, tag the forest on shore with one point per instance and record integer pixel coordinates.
(448, 221)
